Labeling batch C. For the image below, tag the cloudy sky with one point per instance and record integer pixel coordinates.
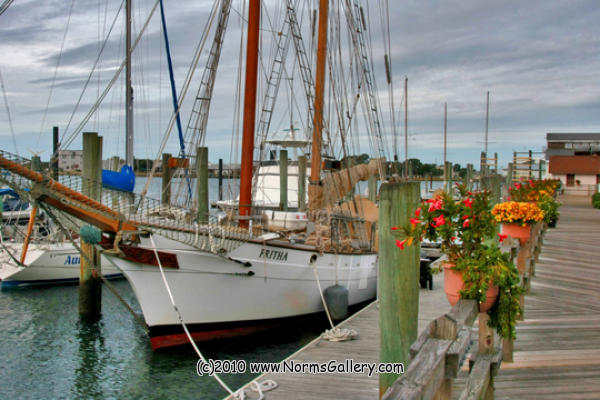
(540, 61)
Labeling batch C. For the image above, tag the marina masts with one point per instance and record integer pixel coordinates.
(315, 190)
(128, 89)
(245, 204)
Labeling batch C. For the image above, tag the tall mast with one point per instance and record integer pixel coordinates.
(315, 163)
(249, 112)
(487, 115)
(445, 136)
(128, 89)
(406, 127)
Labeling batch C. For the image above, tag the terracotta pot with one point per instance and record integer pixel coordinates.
(453, 284)
(517, 231)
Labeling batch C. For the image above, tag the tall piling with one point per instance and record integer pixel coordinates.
(398, 276)
(54, 158)
(167, 173)
(202, 177)
(283, 180)
(302, 183)
(220, 179)
(90, 288)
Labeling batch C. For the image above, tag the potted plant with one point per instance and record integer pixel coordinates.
(549, 207)
(517, 217)
(475, 267)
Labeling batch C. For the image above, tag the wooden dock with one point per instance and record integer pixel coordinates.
(557, 351)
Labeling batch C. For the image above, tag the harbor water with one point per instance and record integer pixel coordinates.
(47, 353)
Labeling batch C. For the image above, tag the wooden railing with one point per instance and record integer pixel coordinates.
(437, 354)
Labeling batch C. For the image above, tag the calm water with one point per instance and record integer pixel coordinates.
(46, 353)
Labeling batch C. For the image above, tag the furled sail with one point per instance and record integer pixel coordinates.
(336, 185)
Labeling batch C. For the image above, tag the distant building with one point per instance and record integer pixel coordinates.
(574, 158)
(70, 160)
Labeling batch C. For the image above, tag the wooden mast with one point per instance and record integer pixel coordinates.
(315, 188)
(249, 112)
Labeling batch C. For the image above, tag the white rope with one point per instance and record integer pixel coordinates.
(334, 334)
(238, 394)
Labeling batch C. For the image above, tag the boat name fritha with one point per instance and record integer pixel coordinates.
(274, 255)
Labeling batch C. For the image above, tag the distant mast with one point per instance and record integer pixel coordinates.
(245, 204)
(315, 189)
(128, 89)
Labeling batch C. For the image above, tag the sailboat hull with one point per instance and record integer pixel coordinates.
(47, 264)
(243, 291)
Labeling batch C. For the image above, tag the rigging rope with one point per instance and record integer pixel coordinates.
(62, 46)
(183, 324)
(335, 334)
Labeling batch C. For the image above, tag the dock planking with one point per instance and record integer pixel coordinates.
(557, 351)
(432, 303)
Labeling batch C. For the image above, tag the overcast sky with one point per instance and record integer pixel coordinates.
(540, 61)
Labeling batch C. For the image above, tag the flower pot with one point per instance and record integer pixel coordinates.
(453, 284)
(517, 231)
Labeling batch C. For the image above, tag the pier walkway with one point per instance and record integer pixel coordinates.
(557, 351)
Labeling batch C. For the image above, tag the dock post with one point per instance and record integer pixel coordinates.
(202, 176)
(469, 177)
(90, 289)
(495, 163)
(220, 179)
(398, 277)
(166, 180)
(283, 180)
(448, 177)
(372, 188)
(483, 165)
(302, 183)
(54, 158)
(530, 160)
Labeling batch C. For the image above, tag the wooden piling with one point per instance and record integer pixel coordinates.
(90, 288)
(166, 180)
(220, 179)
(302, 183)
(283, 180)
(54, 158)
(202, 177)
(372, 188)
(469, 177)
(398, 277)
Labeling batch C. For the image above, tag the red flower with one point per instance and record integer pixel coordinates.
(465, 217)
(439, 221)
(470, 193)
(501, 237)
(400, 243)
(418, 212)
(453, 238)
(395, 228)
(530, 182)
(517, 186)
(435, 205)
(508, 198)
(415, 221)
(468, 202)
(466, 223)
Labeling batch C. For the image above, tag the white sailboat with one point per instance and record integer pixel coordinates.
(235, 276)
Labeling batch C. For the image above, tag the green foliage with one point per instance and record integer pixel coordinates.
(596, 200)
(549, 206)
(489, 266)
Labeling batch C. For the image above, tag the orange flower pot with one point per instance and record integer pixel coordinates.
(453, 284)
(517, 231)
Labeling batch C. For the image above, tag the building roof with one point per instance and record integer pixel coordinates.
(587, 165)
(573, 137)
